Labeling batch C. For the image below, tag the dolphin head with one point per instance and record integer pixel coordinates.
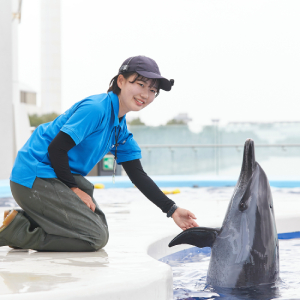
(241, 195)
(246, 247)
(252, 190)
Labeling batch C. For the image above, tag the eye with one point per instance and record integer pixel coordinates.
(153, 91)
(141, 84)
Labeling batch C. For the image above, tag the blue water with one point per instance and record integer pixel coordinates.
(190, 267)
(164, 181)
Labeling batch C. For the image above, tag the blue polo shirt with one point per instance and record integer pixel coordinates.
(91, 123)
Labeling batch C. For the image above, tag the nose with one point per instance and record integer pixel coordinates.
(145, 94)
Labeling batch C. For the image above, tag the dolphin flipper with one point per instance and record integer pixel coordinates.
(196, 236)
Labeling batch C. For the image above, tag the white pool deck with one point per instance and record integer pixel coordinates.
(127, 268)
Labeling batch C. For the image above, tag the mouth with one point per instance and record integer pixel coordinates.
(139, 102)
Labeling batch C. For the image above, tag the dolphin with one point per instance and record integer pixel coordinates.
(245, 250)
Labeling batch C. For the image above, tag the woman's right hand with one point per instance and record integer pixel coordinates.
(84, 197)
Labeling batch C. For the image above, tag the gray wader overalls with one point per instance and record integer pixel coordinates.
(54, 218)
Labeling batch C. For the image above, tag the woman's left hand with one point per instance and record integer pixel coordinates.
(184, 218)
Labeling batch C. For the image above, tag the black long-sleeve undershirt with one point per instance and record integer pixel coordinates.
(58, 154)
(146, 185)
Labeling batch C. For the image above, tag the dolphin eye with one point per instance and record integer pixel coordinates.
(242, 206)
(244, 203)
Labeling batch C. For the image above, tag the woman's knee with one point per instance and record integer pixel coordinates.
(100, 240)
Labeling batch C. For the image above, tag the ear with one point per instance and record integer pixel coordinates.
(120, 81)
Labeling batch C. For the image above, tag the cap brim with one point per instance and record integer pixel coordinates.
(164, 83)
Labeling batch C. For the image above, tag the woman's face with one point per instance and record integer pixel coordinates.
(135, 96)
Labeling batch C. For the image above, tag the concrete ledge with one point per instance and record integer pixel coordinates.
(122, 270)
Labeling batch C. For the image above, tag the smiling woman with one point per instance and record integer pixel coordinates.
(59, 212)
(138, 92)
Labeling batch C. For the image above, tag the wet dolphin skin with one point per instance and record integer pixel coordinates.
(245, 250)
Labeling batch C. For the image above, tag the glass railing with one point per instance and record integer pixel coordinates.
(278, 160)
(176, 150)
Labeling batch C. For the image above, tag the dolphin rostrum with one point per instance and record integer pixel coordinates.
(244, 251)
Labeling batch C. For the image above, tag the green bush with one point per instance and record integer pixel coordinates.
(175, 122)
(136, 121)
(36, 120)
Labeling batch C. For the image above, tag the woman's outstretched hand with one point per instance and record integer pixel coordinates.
(84, 197)
(184, 218)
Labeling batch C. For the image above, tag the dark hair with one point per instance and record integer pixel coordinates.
(113, 85)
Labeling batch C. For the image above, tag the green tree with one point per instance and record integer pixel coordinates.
(136, 121)
(36, 120)
(175, 122)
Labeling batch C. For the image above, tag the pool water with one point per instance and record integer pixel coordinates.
(190, 267)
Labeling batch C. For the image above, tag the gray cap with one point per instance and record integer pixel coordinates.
(146, 67)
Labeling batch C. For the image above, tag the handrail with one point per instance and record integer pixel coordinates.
(213, 145)
(216, 147)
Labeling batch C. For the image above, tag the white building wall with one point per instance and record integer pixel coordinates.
(51, 56)
(8, 84)
(22, 125)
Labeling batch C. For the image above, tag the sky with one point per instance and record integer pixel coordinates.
(231, 60)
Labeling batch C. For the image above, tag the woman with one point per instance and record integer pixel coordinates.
(59, 212)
